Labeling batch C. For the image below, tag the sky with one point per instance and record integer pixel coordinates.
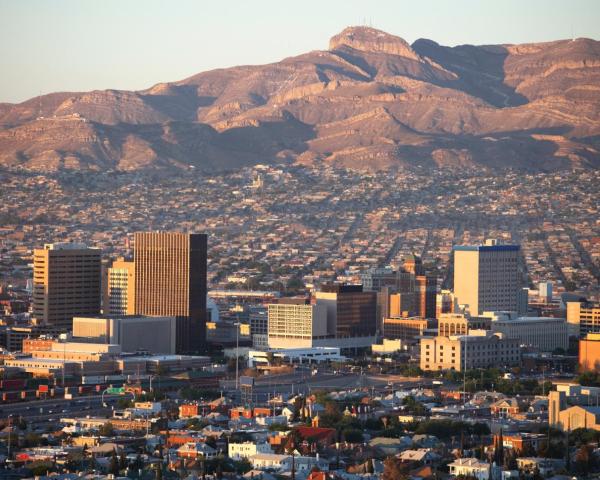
(80, 45)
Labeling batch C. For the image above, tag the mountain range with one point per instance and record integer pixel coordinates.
(370, 101)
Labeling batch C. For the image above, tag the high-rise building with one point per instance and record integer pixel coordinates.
(583, 318)
(296, 324)
(545, 291)
(351, 312)
(170, 280)
(425, 296)
(66, 283)
(121, 288)
(486, 277)
(414, 265)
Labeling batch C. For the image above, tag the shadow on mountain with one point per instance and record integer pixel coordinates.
(506, 150)
(480, 70)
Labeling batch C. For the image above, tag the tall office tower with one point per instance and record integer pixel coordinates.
(374, 279)
(425, 287)
(350, 311)
(426, 293)
(121, 288)
(486, 277)
(66, 283)
(414, 265)
(545, 291)
(170, 280)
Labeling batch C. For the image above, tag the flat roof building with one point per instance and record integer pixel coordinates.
(486, 277)
(296, 325)
(543, 333)
(66, 283)
(170, 280)
(133, 333)
(480, 349)
(121, 288)
(583, 318)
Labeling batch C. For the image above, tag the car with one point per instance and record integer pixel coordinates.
(64, 410)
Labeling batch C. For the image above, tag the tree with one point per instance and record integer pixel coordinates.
(106, 430)
(393, 469)
(122, 460)
(353, 435)
(113, 466)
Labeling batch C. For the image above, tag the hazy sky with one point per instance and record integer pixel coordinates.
(76, 45)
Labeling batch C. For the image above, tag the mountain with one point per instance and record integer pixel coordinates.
(370, 101)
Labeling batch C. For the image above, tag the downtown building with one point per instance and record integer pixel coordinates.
(66, 283)
(486, 277)
(479, 349)
(120, 281)
(170, 281)
(338, 316)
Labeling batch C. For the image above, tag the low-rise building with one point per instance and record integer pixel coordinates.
(589, 352)
(543, 333)
(247, 449)
(470, 468)
(480, 349)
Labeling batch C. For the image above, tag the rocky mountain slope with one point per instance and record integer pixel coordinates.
(371, 101)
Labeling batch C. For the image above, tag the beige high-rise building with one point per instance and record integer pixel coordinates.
(170, 280)
(583, 318)
(66, 283)
(121, 288)
(486, 277)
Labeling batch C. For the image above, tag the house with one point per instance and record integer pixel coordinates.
(546, 466)
(216, 417)
(188, 410)
(520, 442)
(390, 446)
(506, 407)
(322, 436)
(424, 456)
(247, 449)
(306, 464)
(258, 475)
(196, 450)
(425, 441)
(270, 461)
(274, 420)
(213, 431)
(470, 467)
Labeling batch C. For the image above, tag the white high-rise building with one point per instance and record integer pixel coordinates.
(295, 325)
(486, 277)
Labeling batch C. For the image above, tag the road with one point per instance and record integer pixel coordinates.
(43, 411)
(303, 382)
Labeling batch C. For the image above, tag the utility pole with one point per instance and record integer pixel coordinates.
(237, 354)
(9, 437)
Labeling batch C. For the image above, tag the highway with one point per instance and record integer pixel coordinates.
(46, 410)
(303, 382)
